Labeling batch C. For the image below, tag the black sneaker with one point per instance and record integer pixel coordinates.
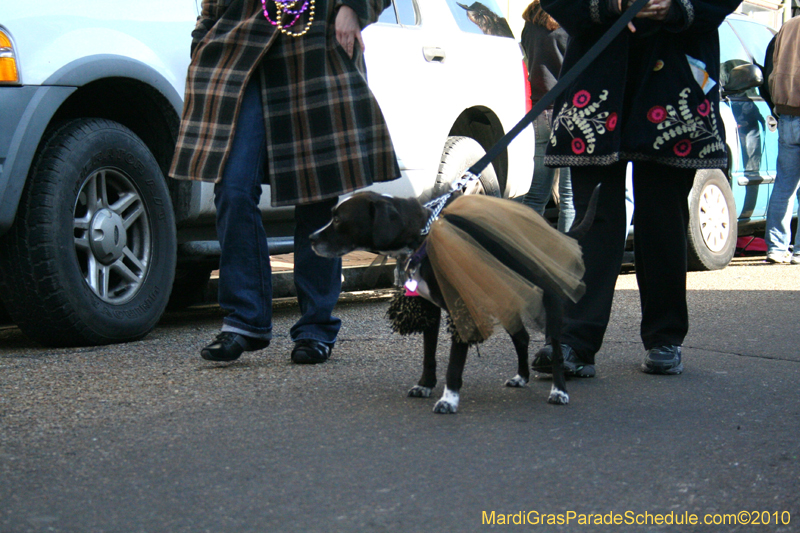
(573, 367)
(310, 352)
(663, 360)
(229, 346)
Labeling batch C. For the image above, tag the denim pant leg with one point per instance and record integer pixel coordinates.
(539, 193)
(566, 205)
(318, 280)
(781, 201)
(245, 277)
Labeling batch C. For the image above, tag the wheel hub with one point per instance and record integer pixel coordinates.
(107, 236)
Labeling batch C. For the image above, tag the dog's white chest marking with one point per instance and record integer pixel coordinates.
(448, 403)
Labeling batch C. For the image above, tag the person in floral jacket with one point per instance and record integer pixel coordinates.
(651, 98)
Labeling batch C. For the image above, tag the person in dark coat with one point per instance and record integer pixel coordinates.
(652, 98)
(276, 93)
(544, 43)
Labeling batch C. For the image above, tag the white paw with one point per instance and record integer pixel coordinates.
(418, 391)
(558, 396)
(448, 404)
(516, 382)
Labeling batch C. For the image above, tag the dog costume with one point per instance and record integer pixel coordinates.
(484, 252)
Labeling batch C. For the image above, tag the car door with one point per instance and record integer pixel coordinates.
(405, 69)
(756, 139)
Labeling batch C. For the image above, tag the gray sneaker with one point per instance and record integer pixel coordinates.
(573, 367)
(664, 360)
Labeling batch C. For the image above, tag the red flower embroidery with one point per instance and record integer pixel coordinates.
(578, 146)
(705, 108)
(611, 122)
(581, 99)
(657, 114)
(682, 148)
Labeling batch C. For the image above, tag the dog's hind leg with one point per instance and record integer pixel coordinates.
(520, 340)
(558, 392)
(554, 307)
(448, 403)
(430, 338)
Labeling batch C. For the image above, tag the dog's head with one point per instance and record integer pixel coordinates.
(374, 223)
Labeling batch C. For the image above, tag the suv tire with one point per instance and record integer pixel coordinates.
(90, 258)
(713, 228)
(458, 155)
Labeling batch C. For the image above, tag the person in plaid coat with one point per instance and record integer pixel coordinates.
(276, 93)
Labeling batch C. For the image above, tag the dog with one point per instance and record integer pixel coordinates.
(391, 226)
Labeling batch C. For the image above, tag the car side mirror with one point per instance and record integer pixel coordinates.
(742, 78)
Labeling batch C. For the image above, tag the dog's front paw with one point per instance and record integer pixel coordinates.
(443, 407)
(418, 391)
(516, 382)
(448, 404)
(558, 396)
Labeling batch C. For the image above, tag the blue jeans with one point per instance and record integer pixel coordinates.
(539, 192)
(787, 179)
(245, 277)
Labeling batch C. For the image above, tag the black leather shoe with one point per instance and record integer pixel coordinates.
(663, 360)
(229, 346)
(310, 352)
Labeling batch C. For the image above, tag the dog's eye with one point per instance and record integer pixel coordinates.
(335, 221)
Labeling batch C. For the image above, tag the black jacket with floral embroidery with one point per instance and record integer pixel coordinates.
(642, 99)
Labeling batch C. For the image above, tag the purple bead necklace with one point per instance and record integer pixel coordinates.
(294, 9)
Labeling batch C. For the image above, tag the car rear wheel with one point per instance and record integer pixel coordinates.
(458, 155)
(90, 258)
(713, 227)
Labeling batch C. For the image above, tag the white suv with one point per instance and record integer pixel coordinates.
(92, 234)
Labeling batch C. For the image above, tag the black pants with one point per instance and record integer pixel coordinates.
(660, 223)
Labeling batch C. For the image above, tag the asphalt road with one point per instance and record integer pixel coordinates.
(147, 437)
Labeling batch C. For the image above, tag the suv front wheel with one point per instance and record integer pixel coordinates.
(90, 258)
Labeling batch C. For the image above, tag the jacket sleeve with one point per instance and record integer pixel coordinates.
(764, 90)
(699, 15)
(368, 11)
(209, 15)
(581, 16)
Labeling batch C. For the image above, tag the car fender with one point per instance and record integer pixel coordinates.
(31, 109)
(36, 106)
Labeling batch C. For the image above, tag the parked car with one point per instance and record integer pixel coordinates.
(724, 205)
(94, 239)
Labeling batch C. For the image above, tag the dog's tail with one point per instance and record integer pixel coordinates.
(579, 230)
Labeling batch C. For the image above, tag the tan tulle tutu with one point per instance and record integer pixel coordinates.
(483, 287)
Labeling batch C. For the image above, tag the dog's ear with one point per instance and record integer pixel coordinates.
(386, 224)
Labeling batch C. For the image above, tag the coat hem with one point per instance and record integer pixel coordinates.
(605, 160)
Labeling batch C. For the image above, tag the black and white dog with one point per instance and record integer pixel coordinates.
(392, 226)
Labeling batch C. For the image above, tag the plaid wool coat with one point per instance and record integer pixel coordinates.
(326, 135)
